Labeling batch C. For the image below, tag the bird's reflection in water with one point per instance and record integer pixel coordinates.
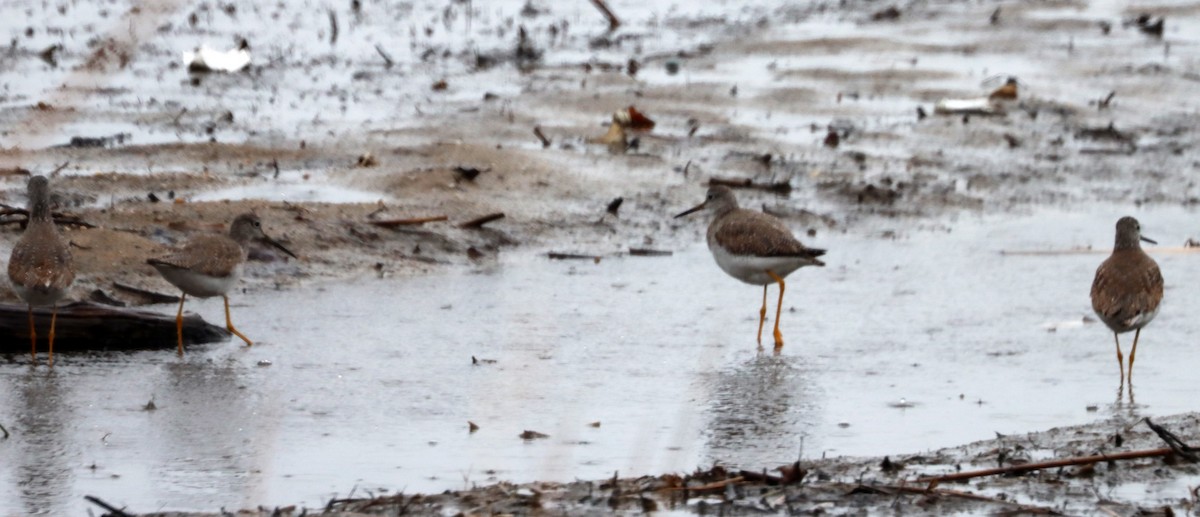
(209, 429)
(759, 411)
(42, 461)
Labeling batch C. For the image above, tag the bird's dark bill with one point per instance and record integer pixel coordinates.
(279, 246)
(1151, 241)
(690, 210)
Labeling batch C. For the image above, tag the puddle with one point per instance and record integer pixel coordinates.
(371, 383)
(294, 187)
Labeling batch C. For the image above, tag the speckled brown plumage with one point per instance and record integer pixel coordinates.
(217, 256)
(746, 232)
(1128, 287)
(41, 259)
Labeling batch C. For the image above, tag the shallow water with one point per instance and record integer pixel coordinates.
(370, 383)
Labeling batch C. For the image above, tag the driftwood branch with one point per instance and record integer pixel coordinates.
(537, 131)
(714, 486)
(613, 21)
(112, 510)
(1177, 446)
(413, 221)
(86, 326)
(781, 187)
(480, 221)
(1042, 465)
(387, 60)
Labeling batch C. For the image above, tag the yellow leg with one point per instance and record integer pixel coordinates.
(32, 337)
(53, 320)
(762, 316)
(778, 309)
(1133, 352)
(1120, 358)
(179, 324)
(229, 323)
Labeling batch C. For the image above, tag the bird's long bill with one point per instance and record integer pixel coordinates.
(692, 209)
(278, 246)
(1147, 239)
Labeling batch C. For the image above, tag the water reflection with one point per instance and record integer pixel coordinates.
(213, 438)
(43, 474)
(760, 411)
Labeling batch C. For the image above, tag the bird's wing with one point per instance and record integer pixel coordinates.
(211, 255)
(1124, 297)
(758, 234)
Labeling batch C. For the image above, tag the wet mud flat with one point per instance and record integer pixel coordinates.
(342, 150)
(1158, 485)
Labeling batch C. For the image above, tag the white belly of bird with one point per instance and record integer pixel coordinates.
(753, 270)
(1141, 319)
(198, 285)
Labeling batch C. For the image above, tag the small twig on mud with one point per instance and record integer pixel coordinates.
(1023, 508)
(1177, 446)
(1029, 467)
(781, 187)
(480, 221)
(537, 131)
(716, 485)
(387, 60)
(572, 256)
(760, 477)
(646, 252)
(333, 27)
(613, 21)
(112, 510)
(59, 168)
(392, 223)
(1103, 104)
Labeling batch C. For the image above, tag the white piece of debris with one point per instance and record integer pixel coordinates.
(205, 59)
(976, 106)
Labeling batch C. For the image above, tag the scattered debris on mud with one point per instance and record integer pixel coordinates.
(1119, 466)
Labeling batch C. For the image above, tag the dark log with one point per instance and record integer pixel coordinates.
(86, 326)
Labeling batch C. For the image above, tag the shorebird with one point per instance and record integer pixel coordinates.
(1128, 289)
(753, 247)
(40, 267)
(208, 265)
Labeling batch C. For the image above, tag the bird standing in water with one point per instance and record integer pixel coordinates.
(209, 265)
(1128, 289)
(40, 267)
(753, 247)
